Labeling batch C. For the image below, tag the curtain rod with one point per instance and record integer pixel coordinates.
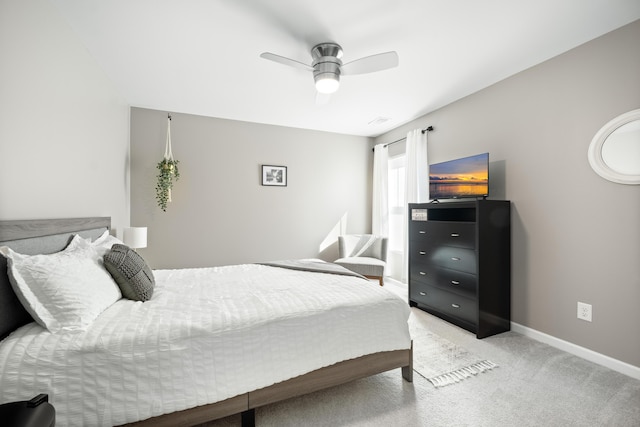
(425, 130)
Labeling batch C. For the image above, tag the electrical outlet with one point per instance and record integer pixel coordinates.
(584, 311)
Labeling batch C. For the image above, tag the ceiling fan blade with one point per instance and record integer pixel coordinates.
(286, 61)
(371, 64)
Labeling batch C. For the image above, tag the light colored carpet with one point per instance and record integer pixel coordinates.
(535, 385)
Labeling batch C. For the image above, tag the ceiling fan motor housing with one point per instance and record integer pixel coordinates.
(326, 61)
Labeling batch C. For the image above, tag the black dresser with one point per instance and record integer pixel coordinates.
(460, 263)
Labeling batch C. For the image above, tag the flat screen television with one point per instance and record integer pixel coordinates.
(460, 178)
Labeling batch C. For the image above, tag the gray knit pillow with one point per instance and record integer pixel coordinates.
(130, 271)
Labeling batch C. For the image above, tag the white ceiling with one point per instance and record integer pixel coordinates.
(202, 56)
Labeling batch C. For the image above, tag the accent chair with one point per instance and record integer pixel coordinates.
(365, 254)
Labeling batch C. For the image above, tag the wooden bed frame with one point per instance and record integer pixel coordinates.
(246, 403)
(340, 373)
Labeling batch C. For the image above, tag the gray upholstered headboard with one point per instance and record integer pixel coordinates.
(31, 237)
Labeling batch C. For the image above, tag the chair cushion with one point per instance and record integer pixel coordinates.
(362, 245)
(363, 265)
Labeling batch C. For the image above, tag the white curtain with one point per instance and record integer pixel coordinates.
(417, 183)
(380, 202)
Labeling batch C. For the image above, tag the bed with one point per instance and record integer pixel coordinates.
(210, 343)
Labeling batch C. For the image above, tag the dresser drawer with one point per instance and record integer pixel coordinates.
(444, 257)
(451, 280)
(447, 233)
(418, 231)
(445, 302)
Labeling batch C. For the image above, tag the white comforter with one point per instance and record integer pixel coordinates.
(206, 335)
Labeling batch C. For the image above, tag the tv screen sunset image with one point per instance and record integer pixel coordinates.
(467, 177)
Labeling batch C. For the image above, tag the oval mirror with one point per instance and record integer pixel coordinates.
(614, 153)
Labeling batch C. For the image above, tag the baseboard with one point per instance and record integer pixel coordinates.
(576, 350)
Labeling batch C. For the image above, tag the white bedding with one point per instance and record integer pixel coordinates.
(206, 335)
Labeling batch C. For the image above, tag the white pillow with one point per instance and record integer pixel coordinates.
(64, 291)
(103, 243)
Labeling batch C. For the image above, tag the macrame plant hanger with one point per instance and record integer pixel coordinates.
(168, 154)
(168, 172)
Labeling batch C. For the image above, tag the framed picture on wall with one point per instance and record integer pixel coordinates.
(274, 175)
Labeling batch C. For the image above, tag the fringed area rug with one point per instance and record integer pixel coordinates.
(442, 362)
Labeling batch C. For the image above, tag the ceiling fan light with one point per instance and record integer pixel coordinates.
(327, 83)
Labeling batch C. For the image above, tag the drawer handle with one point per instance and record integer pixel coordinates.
(455, 282)
(455, 234)
(455, 258)
(422, 232)
(422, 273)
(424, 294)
(423, 253)
(455, 305)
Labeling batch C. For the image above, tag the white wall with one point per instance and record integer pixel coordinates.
(220, 213)
(575, 236)
(63, 127)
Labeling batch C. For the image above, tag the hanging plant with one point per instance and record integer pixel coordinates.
(168, 172)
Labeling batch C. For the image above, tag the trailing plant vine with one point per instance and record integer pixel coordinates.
(168, 173)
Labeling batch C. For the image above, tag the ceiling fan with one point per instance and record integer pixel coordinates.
(327, 66)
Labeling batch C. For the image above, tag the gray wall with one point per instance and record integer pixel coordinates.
(64, 129)
(220, 213)
(576, 236)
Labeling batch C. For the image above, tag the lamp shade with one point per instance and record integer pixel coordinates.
(135, 237)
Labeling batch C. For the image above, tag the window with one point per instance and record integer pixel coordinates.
(396, 203)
